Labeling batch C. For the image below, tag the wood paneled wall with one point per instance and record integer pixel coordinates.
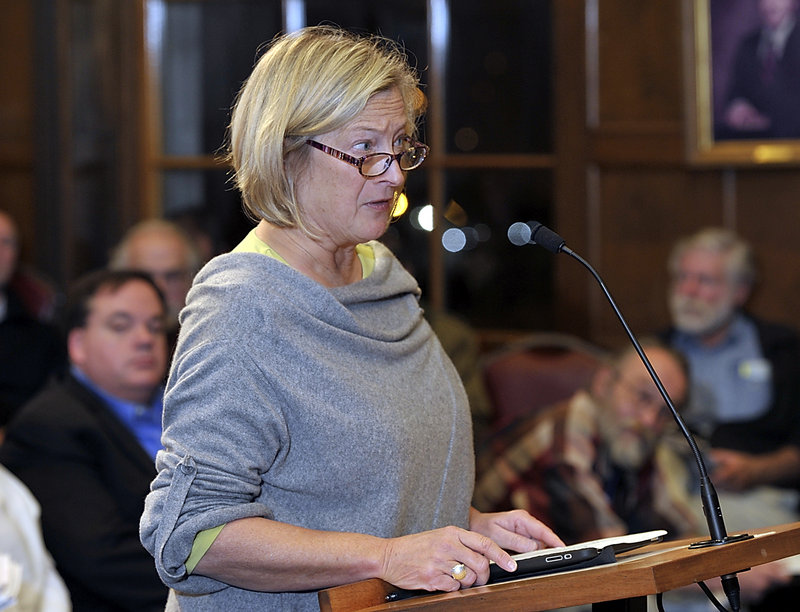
(625, 190)
(16, 114)
(72, 195)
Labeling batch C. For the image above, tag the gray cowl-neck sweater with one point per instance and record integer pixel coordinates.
(332, 409)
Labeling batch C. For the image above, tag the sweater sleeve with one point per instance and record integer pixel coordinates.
(203, 479)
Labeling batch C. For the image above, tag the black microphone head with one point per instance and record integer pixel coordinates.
(519, 233)
(546, 237)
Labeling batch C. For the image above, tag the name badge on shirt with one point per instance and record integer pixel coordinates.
(755, 370)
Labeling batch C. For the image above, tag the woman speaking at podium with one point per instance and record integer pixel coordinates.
(315, 432)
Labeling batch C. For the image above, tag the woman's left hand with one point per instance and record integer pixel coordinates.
(515, 530)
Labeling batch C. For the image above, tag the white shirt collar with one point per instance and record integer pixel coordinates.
(778, 36)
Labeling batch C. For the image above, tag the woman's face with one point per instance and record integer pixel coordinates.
(337, 202)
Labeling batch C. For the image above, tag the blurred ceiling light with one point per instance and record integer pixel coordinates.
(466, 139)
(422, 218)
(454, 240)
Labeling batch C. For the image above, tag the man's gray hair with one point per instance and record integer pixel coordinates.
(740, 259)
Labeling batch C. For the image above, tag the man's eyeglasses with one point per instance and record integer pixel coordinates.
(378, 163)
(648, 399)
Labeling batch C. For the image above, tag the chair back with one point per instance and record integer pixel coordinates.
(538, 371)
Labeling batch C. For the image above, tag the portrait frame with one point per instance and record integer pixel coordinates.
(712, 31)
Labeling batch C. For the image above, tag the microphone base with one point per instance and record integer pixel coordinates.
(725, 540)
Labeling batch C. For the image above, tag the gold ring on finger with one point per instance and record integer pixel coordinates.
(458, 571)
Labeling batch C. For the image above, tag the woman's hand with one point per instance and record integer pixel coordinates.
(425, 560)
(514, 530)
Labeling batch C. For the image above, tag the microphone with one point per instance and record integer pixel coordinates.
(534, 232)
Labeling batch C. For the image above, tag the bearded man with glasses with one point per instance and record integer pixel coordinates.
(597, 464)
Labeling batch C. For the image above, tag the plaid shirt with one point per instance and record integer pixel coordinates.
(555, 465)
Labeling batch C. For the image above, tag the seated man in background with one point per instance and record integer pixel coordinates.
(745, 395)
(30, 349)
(85, 446)
(166, 252)
(744, 372)
(597, 464)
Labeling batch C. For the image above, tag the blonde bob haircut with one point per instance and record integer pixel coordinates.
(309, 82)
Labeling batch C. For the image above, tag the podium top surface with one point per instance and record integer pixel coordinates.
(654, 569)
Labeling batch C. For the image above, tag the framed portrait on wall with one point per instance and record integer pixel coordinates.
(743, 81)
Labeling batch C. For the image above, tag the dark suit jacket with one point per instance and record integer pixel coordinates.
(778, 99)
(30, 352)
(90, 476)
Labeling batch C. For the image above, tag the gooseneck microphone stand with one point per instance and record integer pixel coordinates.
(536, 233)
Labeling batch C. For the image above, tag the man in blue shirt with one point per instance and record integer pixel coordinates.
(745, 372)
(745, 395)
(85, 446)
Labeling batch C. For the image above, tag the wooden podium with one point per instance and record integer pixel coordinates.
(623, 585)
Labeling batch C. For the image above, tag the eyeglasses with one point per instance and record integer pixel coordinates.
(378, 163)
(648, 399)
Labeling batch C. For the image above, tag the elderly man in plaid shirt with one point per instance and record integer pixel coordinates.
(600, 463)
